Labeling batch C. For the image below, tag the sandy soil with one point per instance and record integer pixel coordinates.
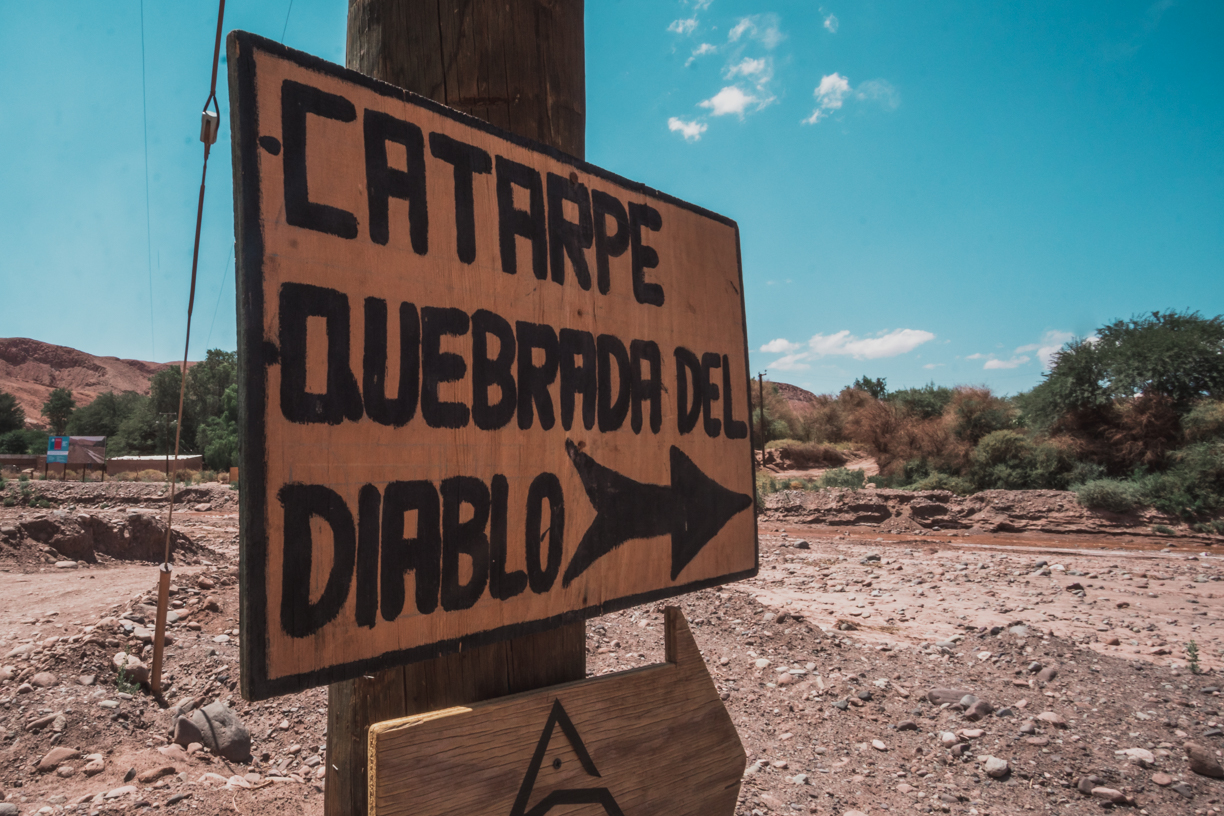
(825, 661)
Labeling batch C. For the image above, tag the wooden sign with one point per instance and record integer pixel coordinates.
(487, 389)
(654, 740)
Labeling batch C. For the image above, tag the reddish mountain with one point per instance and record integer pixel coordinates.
(30, 370)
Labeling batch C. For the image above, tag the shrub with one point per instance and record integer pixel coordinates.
(1007, 460)
(1114, 495)
(942, 481)
(207, 476)
(843, 477)
(975, 412)
(151, 475)
(1205, 421)
(813, 455)
(1163, 529)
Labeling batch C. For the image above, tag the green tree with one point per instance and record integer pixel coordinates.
(877, 388)
(925, 402)
(12, 416)
(217, 436)
(23, 440)
(105, 415)
(58, 409)
(1175, 355)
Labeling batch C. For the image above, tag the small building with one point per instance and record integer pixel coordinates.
(135, 464)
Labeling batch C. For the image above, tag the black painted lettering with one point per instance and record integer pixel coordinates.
(384, 182)
(502, 584)
(709, 394)
(492, 371)
(688, 381)
(534, 378)
(610, 351)
(577, 376)
(369, 505)
(421, 555)
(542, 575)
(439, 366)
(643, 216)
(464, 538)
(300, 617)
(466, 159)
(569, 238)
(299, 301)
(395, 412)
(512, 222)
(607, 246)
(732, 428)
(646, 388)
(298, 100)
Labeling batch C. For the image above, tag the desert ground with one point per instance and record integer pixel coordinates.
(895, 654)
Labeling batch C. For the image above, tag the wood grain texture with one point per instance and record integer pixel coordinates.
(655, 485)
(658, 737)
(393, 42)
(517, 64)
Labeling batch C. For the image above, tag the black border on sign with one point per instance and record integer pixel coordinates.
(253, 360)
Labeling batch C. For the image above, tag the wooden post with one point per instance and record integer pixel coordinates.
(520, 65)
(761, 397)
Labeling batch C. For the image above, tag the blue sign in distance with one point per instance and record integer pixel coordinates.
(57, 449)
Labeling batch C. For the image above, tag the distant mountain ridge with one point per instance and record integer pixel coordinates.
(31, 369)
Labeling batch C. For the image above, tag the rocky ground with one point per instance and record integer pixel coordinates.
(868, 668)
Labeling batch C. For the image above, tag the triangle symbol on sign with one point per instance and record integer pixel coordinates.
(559, 797)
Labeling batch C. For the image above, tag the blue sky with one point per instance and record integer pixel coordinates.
(939, 191)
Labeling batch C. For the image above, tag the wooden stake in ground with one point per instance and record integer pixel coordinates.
(520, 65)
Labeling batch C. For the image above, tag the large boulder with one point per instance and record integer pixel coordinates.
(222, 732)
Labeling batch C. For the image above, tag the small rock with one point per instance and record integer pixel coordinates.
(9, 809)
(186, 732)
(971, 733)
(130, 775)
(94, 767)
(1047, 674)
(118, 792)
(996, 768)
(56, 757)
(87, 679)
(1085, 784)
(879, 745)
(204, 582)
(1035, 667)
(762, 663)
(1183, 790)
(133, 667)
(65, 770)
(1203, 761)
(1139, 756)
(1028, 727)
(939, 696)
(1113, 641)
(907, 725)
(1056, 720)
(1111, 795)
(948, 738)
(154, 774)
(223, 732)
(44, 680)
(1162, 779)
(979, 710)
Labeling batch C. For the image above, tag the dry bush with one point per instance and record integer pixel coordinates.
(151, 475)
(1147, 428)
(823, 420)
(975, 412)
(813, 455)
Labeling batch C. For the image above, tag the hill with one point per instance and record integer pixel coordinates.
(30, 370)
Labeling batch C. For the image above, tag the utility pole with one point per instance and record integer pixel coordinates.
(761, 398)
(520, 65)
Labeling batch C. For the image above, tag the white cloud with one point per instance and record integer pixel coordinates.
(690, 130)
(834, 89)
(699, 51)
(931, 366)
(978, 356)
(830, 95)
(701, 5)
(879, 90)
(844, 344)
(760, 27)
(755, 69)
(830, 24)
(731, 100)
(1051, 342)
(780, 346)
(1014, 362)
(683, 26)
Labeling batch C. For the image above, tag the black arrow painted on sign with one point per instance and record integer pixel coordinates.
(693, 509)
